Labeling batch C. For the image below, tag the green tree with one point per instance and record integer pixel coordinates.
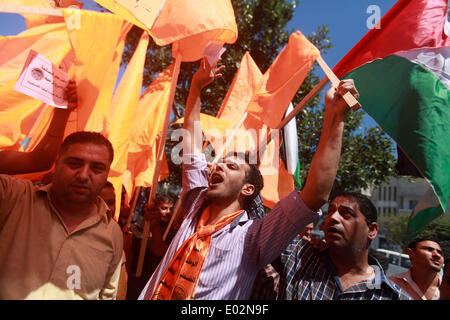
(367, 158)
(395, 228)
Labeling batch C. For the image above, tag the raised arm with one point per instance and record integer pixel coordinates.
(192, 138)
(324, 165)
(44, 154)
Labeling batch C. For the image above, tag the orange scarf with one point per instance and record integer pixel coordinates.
(180, 280)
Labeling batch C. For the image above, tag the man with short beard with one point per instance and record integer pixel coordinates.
(422, 280)
(342, 269)
(58, 241)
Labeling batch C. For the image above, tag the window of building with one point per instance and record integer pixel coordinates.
(395, 193)
(412, 204)
(389, 194)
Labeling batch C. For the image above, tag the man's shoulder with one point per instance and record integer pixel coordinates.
(12, 185)
(299, 249)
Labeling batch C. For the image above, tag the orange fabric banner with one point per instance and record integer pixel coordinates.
(18, 112)
(94, 49)
(282, 80)
(191, 24)
(146, 133)
(122, 114)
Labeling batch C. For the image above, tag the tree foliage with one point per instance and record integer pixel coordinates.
(367, 153)
(395, 228)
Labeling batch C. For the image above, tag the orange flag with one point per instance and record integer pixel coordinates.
(94, 48)
(191, 24)
(122, 115)
(18, 112)
(146, 134)
(282, 80)
(278, 183)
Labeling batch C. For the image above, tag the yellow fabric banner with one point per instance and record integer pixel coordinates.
(94, 37)
(146, 134)
(122, 114)
(18, 112)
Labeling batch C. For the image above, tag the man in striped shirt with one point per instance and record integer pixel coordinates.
(238, 250)
(344, 270)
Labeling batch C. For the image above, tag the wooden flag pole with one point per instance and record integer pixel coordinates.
(303, 103)
(330, 76)
(348, 97)
(9, 8)
(160, 154)
(172, 219)
(137, 191)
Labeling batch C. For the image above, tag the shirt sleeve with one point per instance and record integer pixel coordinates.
(268, 237)
(195, 181)
(13, 191)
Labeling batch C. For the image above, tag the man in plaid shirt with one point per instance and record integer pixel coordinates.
(343, 270)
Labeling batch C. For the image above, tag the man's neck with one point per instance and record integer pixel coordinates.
(352, 268)
(425, 280)
(72, 214)
(219, 208)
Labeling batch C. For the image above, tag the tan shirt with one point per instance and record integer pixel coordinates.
(39, 259)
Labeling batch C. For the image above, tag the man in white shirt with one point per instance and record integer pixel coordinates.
(422, 280)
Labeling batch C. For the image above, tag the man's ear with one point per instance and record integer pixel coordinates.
(247, 189)
(373, 230)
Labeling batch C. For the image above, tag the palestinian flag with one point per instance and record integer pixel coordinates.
(402, 72)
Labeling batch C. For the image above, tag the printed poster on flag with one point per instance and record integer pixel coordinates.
(42, 80)
(146, 11)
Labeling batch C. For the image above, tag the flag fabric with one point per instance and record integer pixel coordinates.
(190, 24)
(290, 145)
(282, 80)
(122, 115)
(19, 113)
(94, 50)
(146, 133)
(34, 20)
(401, 72)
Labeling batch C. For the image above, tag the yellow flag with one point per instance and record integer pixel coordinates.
(146, 134)
(94, 37)
(18, 112)
(122, 114)
(124, 105)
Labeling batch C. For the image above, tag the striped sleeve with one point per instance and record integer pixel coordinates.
(267, 238)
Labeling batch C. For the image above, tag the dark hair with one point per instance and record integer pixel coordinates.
(84, 137)
(365, 205)
(252, 175)
(413, 244)
(161, 198)
(445, 264)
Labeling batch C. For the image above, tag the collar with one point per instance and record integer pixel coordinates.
(379, 280)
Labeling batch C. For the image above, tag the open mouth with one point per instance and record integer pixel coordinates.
(215, 179)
